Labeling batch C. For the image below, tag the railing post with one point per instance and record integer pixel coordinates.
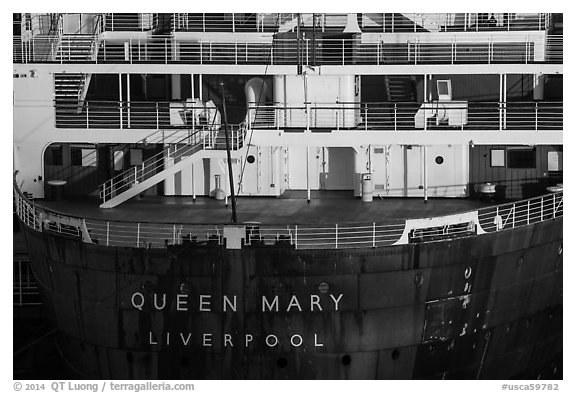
(373, 235)
(87, 118)
(343, 51)
(336, 235)
(542, 209)
(296, 237)
(107, 233)
(174, 234)
(365, 117)
(395, 116)
(553, 205)
(513, 215)
(378, 53)
(539, 21)
(138, 236)
(165, 50)
(528, 216)
(536, 116)
(157, 117)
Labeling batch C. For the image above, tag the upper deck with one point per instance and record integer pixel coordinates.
(211, 43)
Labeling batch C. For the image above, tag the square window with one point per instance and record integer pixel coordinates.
(554, 161)
(135, 156)
(497, 157)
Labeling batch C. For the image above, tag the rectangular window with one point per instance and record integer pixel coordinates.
(554, 161)
(88, 157)
(135, 156)
(497, 157)
(521, 158)
(444, 88)
(82, 155)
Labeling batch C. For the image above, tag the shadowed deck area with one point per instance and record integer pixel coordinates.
(325, 207)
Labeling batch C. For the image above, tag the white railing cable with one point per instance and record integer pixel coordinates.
(157, 234)
(454, 49)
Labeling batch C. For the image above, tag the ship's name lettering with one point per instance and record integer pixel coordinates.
(205, 303)
(228, 340)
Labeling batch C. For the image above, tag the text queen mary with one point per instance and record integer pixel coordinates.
(205, 303)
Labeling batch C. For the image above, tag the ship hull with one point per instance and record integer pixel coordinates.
(487, 306)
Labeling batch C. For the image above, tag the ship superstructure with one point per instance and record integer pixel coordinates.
(381, 105)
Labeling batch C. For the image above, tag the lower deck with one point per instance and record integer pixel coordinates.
(325, 207)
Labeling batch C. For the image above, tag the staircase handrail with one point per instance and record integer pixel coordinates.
(189, 142)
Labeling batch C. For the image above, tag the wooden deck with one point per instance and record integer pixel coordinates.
(325, 207)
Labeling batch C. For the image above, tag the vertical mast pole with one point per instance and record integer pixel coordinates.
(230, 175)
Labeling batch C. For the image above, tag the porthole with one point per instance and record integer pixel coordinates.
(418, 279)
(148, 286)
(346, 360)
(250, 159)
(323, 287)
(282, 362)
(185, 288)
(439, 160)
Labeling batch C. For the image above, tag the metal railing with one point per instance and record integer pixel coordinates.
(129, 115)
(368, 22)
(352, 235)
(454, 49)
(25, 288)
(536, 116)
(129, 22)
(450, 22)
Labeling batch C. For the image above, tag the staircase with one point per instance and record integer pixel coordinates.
(180, 153)
(399, 88)
(263, 117)
(171, 160)
(69, 93)
(75, 48)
